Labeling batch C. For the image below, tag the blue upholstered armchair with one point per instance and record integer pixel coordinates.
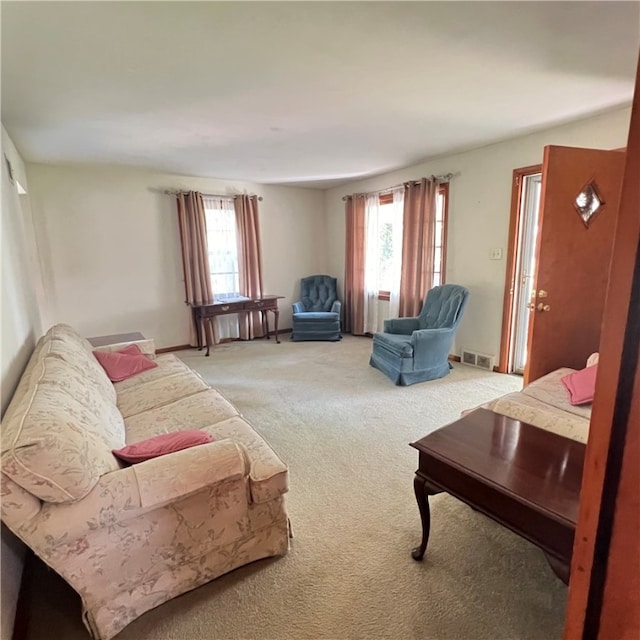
(411, 350)
(317, 315)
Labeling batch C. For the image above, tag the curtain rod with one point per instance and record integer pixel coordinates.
(173, 192)
(445, 177)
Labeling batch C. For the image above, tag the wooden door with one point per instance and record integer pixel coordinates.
(572, 256)
(604, 591)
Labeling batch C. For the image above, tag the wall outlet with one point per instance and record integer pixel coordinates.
(495, 254)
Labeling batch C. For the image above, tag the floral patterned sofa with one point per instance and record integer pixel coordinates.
(128, 538)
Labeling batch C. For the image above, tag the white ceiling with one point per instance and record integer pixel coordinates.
(308, 93)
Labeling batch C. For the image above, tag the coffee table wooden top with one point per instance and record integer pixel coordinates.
(535, 467)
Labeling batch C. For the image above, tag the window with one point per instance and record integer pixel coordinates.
(222, 245)
(440, 236)
(390, 227)
(389, 243)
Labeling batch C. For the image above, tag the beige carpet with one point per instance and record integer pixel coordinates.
(344, 430)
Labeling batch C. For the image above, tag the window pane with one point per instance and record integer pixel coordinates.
(436, 279)
(439, 207)
(223, 252)
(386, 255)
(438, 235)
(437, 258)
(388, 252)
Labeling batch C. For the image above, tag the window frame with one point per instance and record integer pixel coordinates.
(209, 213)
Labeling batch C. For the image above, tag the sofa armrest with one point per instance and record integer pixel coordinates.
(297, 307)
(402, 326)
(17, 504)
(126, 493)
(147, 346)
(336, 307)
(168, 478)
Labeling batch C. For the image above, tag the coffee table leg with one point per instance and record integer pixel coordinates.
(420, 488)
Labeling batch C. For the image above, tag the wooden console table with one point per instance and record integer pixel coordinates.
(523, 477)
(206, 313)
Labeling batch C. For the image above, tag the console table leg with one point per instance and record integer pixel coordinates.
(420, 489)
(265, 324)
(276, 313)
(206, 334)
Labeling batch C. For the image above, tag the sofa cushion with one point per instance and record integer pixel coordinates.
(193, 412)
(103, 417)
(125, 363)
(162, 445)
(159, 392)
(314, 316)
(168, 364)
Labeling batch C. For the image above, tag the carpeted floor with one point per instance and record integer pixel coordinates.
(344, 430)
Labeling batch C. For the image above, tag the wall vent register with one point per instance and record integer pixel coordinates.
(475, 359)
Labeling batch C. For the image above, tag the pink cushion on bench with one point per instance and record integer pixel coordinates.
(581, 385)
(122, 364)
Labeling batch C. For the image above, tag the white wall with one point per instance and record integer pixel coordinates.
(20, 330)
(110, 246)
(479, 207)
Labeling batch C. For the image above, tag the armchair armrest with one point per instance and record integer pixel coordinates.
(126, 493)
(336, 307)
(431, 346)
(430, 336)
(403, 326)
(297, 307)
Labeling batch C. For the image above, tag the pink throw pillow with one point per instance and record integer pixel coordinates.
(124, 363)
(581, 385)
(161, 445)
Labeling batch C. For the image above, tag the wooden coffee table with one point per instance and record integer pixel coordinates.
(523, 477)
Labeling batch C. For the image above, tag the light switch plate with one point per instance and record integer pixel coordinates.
(495, 254)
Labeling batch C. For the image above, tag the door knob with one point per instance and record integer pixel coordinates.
(542, 293)
(543, 307)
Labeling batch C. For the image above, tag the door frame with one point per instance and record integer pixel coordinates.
(603, 594)
(512, 262)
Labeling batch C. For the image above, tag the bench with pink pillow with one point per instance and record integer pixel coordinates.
(559, 401)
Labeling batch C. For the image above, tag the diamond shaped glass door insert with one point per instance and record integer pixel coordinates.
(588, 202)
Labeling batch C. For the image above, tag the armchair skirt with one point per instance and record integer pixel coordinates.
(316, 325)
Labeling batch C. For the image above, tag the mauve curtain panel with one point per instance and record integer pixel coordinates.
(195, 256)
(418, 231)
(249, 261)
(354, 293)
